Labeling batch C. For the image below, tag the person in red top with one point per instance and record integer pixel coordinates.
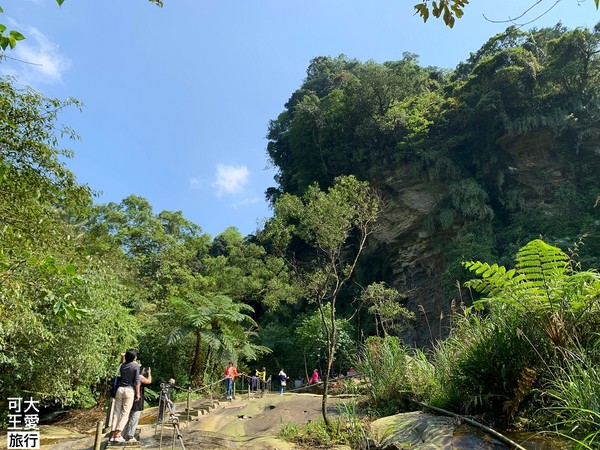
(314, 378)
(230, 374)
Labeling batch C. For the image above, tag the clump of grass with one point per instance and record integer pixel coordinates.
(310, 434)
(573, 393)
(479, 367)
(348, 428)
(476, 369)
(395, 375)
(383, 364)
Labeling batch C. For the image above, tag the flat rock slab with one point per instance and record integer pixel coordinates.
(243, 424)
(423, 431)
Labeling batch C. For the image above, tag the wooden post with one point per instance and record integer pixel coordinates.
(98, 439)
(189, 393)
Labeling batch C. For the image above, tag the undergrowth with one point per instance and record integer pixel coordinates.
(348, 428)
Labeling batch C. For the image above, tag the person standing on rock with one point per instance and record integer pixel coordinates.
(138, 407)
(282, 381)
(230, 374)
(127, 393)
(262, 378)
(254, 381)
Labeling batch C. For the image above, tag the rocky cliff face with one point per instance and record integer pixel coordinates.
(537, 167)
(416, 264)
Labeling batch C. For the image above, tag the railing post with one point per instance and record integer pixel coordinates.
(189, 393)
(98, 439)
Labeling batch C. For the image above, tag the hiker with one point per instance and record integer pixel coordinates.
(314, 378)
(254, 382)
(138, 407)
(262, 378)
(127, 392)
(230, 374)
(282, 381)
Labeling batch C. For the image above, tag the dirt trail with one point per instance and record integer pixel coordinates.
(245, 424)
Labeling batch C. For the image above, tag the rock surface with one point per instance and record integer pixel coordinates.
(423, 431)
(247, 424)
(539, 168)
(254, 424)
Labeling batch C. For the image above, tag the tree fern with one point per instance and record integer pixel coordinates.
(219, 325)
(542, 284)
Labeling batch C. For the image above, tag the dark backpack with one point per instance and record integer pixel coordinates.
(114, 386)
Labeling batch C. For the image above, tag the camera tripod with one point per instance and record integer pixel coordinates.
(165, 402)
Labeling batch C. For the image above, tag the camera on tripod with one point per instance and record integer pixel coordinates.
(164, 400)
(165, 388)
(164, 403)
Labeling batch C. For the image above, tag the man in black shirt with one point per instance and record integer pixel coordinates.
(127, 393)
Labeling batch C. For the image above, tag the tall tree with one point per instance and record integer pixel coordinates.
(58, 306)
(334, 226)
(219, 325)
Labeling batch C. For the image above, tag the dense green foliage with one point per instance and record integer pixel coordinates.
(81, 283)
(57, 301)
(510, 140)
(531, 353)
(333, 226)
(524, 100)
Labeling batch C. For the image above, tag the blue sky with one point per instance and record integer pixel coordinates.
(177, 100)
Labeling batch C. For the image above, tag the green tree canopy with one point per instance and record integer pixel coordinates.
(58, 304)
(333, 226)
(221, 332)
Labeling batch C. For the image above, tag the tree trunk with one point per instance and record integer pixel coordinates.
(196, 363)
(305, 366)
(330, 355)
(331, 340)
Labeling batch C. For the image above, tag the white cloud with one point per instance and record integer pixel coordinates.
(230, 179)
(245, 202)
(36, 59)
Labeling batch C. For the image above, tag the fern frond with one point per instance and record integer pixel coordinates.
(541, 261)
(178, 334)
(495, 279)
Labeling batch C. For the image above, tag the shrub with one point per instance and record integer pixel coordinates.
(394, 374)
(480, 365)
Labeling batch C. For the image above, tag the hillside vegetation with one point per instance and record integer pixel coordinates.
(440, 223)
